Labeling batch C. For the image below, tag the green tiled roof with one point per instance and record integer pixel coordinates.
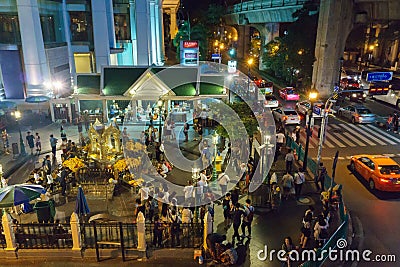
(211, 85)
(118, 80)
(88, 84)
(188, 89)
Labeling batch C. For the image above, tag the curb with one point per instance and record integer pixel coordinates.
(358, 236)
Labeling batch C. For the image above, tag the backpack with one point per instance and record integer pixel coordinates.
(250, 215)
(175, 227)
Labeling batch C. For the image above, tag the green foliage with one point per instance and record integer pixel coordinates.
(245, 114)
(291, 57)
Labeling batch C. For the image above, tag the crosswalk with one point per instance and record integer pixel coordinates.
(350, 135)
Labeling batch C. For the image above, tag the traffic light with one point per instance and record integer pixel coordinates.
(232, 52)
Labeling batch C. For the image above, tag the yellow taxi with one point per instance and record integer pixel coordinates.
(381, 172)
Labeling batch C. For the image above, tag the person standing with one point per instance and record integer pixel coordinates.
(38, 144)
(299, 179)
(223, 180)
(79, 123)
(53, 144)
(188, 192)
(280, 140)
(237, 215)
(288, 247)
(63, 180)
(289, 159)
(226, 206)
(248, 218)
(287, 182)
(320, 179)
(186, 131)
(125, 136)
(30, 141)
(395, 122)
(46, 165)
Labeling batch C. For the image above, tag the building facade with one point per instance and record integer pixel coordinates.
(44, 44)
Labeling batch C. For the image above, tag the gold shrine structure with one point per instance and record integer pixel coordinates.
(105, 142)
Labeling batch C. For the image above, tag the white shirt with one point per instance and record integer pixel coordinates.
(299, 178)
(165, 168)
(162, 148)
(280, 138)
(188, 190)
(223, 179)
(203, 178)
(165, 197)
(144, 193)
(200, 185)
(186, 215)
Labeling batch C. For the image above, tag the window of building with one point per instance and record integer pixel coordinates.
(122, 29)
(48, 32)
(9, 29)
(81, 29)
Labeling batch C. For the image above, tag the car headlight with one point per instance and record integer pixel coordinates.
(364, 95)
(354, 95)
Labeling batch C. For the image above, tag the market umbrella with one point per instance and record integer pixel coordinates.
(37, 99)
(81, 205)
(13, 195)
(7, 104)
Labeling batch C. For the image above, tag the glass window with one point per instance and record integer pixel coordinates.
(47, 23)
(389, 169)
(9, 29)
(81, 29)
(122, 29)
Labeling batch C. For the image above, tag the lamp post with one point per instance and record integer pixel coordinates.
(312, 97)
(340, 70)
(215, 143)
(195, 175)
(249, 63)
(159, 104)
(17, 114)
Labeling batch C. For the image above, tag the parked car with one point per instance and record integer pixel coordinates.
(289, 94)
(357, 114)
(381, 172)
(345, 82)
(271, 101)
(303, 107)
(354, 94)
(286, 115)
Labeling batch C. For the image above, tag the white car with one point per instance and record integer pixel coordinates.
(286, 115)
(271, 101)
(303, 107)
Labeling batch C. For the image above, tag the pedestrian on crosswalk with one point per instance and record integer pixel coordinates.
(395, 122)
(389, 123)
(289, 159)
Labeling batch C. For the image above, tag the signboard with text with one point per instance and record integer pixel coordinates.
(232, 66)
(189, 53)
(379, 76)
(190, 44)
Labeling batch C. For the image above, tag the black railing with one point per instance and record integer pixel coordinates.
(2, 237)
(45, 236)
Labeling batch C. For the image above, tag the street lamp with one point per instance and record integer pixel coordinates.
(340, 70)
(17, 114)
(249, 63)
(312, 97)
(195, 175)
(215, 143)
(159, 104)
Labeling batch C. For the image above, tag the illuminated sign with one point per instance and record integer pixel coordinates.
(232, 66)
(191, 55)
(190, 44)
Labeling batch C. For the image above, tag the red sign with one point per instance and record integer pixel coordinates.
(190, 44)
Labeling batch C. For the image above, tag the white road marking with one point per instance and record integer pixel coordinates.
(378, 135)
(384, 133)
(366, 140)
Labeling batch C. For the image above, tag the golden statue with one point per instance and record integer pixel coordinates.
(105, 142)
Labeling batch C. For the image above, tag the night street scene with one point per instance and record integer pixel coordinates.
(200, 133)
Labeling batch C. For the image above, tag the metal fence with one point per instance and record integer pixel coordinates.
(43, 235)
(2, 237)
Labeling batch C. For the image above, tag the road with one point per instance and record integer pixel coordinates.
(378, 212)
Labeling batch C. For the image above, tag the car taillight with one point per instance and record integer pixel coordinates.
(384, 180)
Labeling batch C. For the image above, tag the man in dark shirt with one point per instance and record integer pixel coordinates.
(30, 140)
(237, 220)
(63, 180)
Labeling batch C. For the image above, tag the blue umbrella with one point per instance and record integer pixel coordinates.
(81, 205)
(13, 195)
(7, 104)
(37, 99)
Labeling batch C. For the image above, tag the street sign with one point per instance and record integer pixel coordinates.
(379, 76)
(336, 89)
(215, 56)
(232, 66)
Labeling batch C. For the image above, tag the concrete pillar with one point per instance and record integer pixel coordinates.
(243, 41)
(208, 228)
(77, 105)
(132, 16)
(173, 25)
(35, 60)
(8, 232)
(394, 53)
(100, 36)
(53, 118)
(105, 111)
(143, 32)
(141, 232)
(76, 232)
(268, 32)
(334, 25)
